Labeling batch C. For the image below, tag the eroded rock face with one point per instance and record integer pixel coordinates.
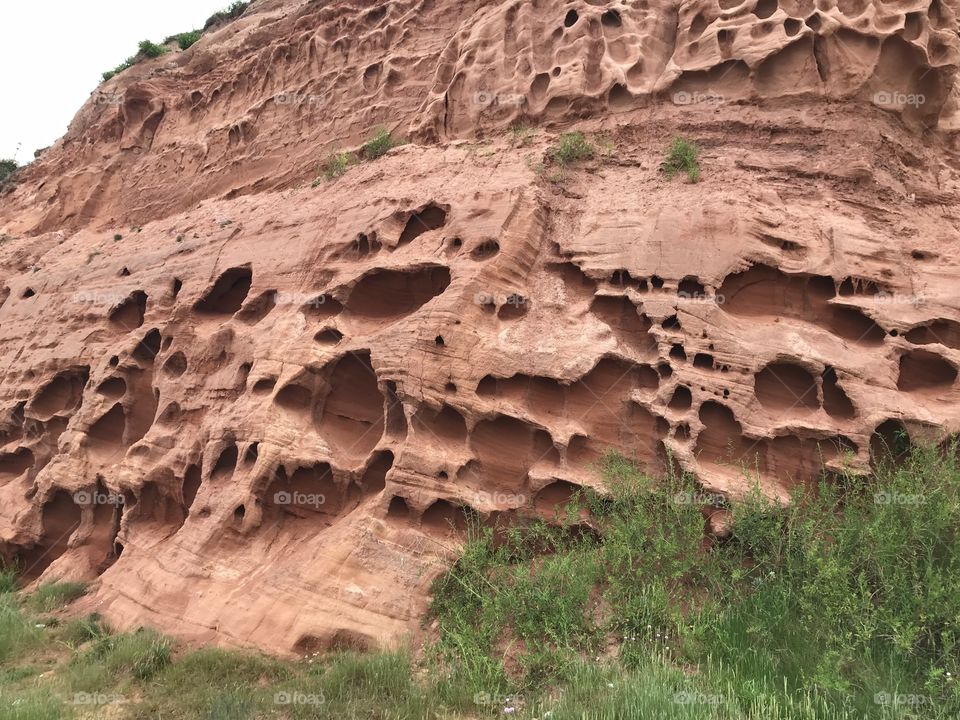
(258, 416)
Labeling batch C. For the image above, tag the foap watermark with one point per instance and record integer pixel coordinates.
(96, 698)
(896, 699)
(888, 298)
(697, 497)
(697, 98)
(487, 298)
(97, 297)
(108, 99)
(86, 497)
(296, 298)
(298, 698)
(894, 498)
(286, 98)
(485, 99)
(686, 697)
(509, 703)
(895, 99)
(299, 499)
(703, 297)
(498, 498)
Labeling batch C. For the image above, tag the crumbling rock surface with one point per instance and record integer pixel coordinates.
(257, 418)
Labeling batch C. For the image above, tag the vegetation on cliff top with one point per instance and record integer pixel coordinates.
(184, 40)
(841, 605)
(7, 168)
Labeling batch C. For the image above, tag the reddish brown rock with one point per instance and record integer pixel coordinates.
(256, 418)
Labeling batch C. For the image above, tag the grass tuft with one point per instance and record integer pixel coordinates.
(380, 144)
(572, 147)
(683, 157)
(54, 596)
(336, 165)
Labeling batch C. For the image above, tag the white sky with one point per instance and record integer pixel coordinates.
(53, 53)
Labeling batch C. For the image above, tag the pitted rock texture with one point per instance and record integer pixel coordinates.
(256, 105)
(257, 417)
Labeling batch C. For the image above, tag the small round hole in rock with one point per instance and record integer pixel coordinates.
(611, 18)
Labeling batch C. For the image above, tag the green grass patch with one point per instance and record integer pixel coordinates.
(8, 580)
(829, 607)
(54, 596)
(380, 144)
(17, 632)
(683, 157)
(572, 147)
(838, 606)
(336, 165)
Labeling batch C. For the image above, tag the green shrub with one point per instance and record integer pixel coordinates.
(683, 157)
(185, 40)
(7, 168)
(380, 144)
(336, 165)
(235, 10)
(571, 148)
(151, 49)
(128, 63)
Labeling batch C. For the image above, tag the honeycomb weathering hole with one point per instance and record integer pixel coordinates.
(375, 477)
(432, 217)
(784, 387)
(226, 463)
(128, 315)
(306, 491)
(228, 293)
(62, 394)
(942, 332)
(60, 518)
(629, 326)
(889, 443)
(398, 508)
(106, 434)
(13, 464)
(835, 400)
(353, 412)
(395, 293)
(443, 518)
(925, 371)
(191, 485)
(763, 291)
(175, 365)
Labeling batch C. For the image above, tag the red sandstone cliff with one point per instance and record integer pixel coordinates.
(445, 327)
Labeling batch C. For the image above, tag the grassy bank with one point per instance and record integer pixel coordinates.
(842, 605)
